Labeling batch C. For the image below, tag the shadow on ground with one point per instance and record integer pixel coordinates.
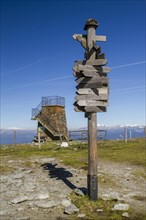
(60, 173)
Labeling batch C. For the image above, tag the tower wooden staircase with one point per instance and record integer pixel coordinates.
(51, 117)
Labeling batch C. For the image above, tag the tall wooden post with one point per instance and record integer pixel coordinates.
(92, 125)
(92, 94)
(92, 157)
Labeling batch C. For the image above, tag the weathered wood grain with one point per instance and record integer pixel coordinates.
(97, 78)
(100, 38)
(88, 91)
(98, 62)
(92, 97)
(92, 103)
(95, 109)
(81, 67)
(96, 38)
(103, 81)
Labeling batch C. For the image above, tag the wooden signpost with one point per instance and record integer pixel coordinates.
(92, 94)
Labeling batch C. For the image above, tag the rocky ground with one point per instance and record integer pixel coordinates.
(39, 188)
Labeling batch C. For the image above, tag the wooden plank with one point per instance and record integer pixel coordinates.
(86, 67)
(82, 39)
(92, 85)
(76, 63)
(93, 74)
(95, 109)
(88, 91)
(104, 90)
(79, 35)
(96, 38)
(92, 103)
(85, 91)
(78, 108)
(92, 97)
(98, 62)
(100, 38)
(95, 79)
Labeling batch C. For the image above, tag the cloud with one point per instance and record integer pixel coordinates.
(129, 64)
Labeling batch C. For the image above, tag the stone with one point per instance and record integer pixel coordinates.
(64, 144)
(65, 203)
(81, 215)
(99, 210)
(78, 192)
(19, 199)
(28, 171)
(121, 207)
(111, 196)
(45, 204)
(71, 209)
(125, 214)
(3, 212)
(23, 218)
(42, 196)
(18, 176)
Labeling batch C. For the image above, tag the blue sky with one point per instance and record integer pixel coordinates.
(38, 54)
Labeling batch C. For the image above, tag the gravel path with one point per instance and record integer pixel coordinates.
(39, 188)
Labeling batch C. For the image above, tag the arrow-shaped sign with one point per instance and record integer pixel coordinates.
(92, 85)
(80, 67)
(92, 103)
(98, 62)
(82, 39)
(93, 97)
(95, 109)
(97, 37)
(88, 91)
(95, 79)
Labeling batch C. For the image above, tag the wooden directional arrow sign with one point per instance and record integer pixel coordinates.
(78, 108)
(97, 37)
(95, 109)
(82, 39)
(89, 74)
(92, 85)
(95, 79)
(88, 91)
(92, 97)
(91, 103)
(98, 62)
(92, 80)
(92, 73)
(80, 67)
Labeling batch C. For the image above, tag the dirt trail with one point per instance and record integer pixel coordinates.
(38, 187)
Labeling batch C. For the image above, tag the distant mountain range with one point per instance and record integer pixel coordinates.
(112, 132)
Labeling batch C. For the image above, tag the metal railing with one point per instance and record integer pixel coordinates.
(48, 101)
(53, 100)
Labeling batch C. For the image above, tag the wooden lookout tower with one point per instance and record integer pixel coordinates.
(51, 117)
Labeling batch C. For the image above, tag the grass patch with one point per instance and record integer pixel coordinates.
(139, 173)
(90, 208)
(6, 169)
(132, 152)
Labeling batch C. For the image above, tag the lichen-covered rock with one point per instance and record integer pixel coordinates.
(71, 209)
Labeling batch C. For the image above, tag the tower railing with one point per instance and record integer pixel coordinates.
(48, 101)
